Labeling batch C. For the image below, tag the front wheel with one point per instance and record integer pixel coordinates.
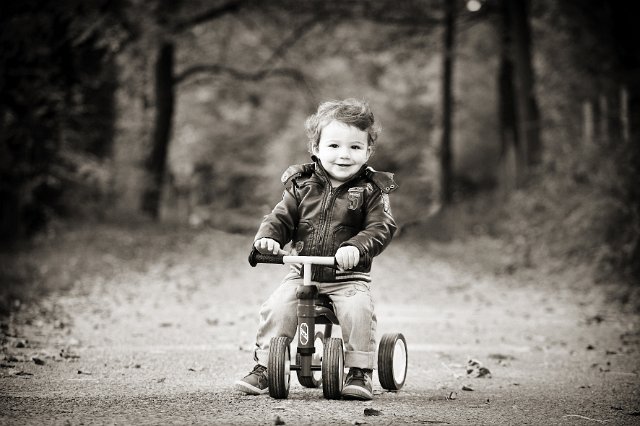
(279, 368)
(332, 368)
(393, 360)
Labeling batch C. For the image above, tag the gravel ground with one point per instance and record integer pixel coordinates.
(163, 344)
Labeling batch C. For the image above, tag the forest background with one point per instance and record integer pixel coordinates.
(514, 119)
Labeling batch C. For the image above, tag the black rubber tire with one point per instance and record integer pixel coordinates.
(312, 382)
(333, 368)
(391, 379)
(278, 370)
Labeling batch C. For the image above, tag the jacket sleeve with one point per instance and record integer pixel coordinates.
(379, 226)
(280, 223)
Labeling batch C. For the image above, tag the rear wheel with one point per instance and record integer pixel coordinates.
(393, 360)
(279, 368)
(333, 368)
(315, 380)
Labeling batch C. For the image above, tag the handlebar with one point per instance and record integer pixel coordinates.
(256, 257)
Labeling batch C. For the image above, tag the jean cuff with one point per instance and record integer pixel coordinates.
(360, 359)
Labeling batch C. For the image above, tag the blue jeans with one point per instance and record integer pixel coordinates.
(353, 307)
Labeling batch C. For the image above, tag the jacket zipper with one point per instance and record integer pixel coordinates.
(331, 198)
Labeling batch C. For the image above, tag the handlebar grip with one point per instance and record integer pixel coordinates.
(256, 257)
(364, 263)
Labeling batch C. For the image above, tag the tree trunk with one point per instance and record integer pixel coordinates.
(447, 105)
(528, 114)
(157, 162)
(511, 157)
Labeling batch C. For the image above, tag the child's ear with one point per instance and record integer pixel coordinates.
(369, 152)
(314, 149)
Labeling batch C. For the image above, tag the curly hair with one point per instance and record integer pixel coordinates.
(350, 111)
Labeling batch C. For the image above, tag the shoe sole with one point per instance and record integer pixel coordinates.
(248, 389)
(356, 392)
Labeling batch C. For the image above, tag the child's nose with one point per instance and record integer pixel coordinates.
(344, 153)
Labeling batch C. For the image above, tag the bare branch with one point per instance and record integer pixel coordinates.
(292, 39)
(413, 14)
(211, 14)
(292, 73)
(214, 69)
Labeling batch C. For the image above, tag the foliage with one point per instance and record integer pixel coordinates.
(56, 85)
(77, 103)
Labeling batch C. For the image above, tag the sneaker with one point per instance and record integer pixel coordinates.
(358, 385)
(254, 383)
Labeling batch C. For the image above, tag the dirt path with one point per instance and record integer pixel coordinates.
(165, 344)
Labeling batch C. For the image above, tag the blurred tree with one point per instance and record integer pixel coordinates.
(448, 53)
(527, 114)
(56, 107)
(510, 149)
(624, 230)
(171, 24)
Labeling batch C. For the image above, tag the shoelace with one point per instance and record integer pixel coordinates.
(258, 370)
(358, 374)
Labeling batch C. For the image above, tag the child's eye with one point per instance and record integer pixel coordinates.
(356, 147)
(333, 145)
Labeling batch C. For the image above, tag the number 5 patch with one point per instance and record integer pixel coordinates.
(355, 198)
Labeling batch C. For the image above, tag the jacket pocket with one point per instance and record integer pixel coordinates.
(303, 239)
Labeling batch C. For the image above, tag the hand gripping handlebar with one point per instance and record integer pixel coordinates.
(256, 257)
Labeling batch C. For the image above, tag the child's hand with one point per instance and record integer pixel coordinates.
(267, 246)
(347, 257)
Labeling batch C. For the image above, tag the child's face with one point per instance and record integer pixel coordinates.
(342, 151)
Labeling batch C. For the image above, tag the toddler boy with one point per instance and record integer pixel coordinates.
(335, 206)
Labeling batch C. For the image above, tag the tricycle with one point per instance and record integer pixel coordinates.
(320, 357)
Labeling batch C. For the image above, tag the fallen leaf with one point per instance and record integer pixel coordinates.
(161, 380)
(502, 357)
(467, 388)
(475, 367)
(84, 372)
(590, 347)
(597, 319)
(484, 372)
(372, 412)
(68, 355)
(38, 361)
(278, 421)
(453, 395)
(23, 373)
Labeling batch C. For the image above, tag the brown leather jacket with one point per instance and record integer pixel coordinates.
(318, 219)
